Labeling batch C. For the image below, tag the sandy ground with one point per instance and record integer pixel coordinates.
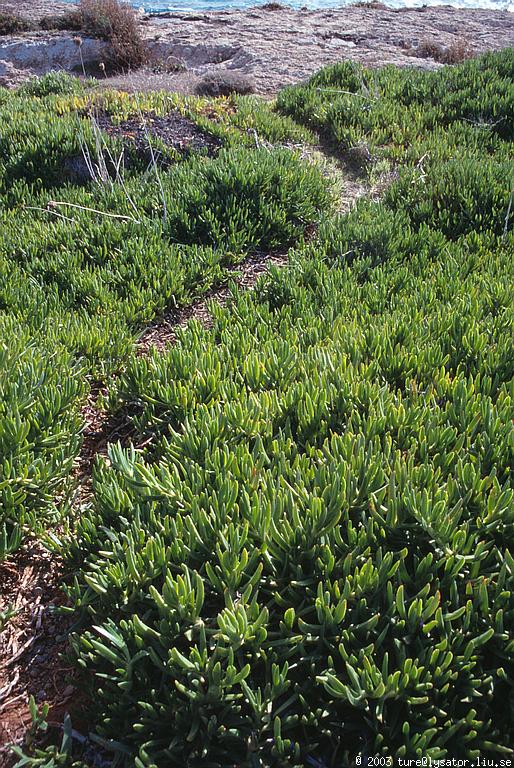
(271, 47)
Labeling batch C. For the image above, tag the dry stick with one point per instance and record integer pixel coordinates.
(507, 217)
(102, 174)
(100, 145)
(484, 123)
(87, 158)
(154, 162)
(119, 177)
(49, 210)
(52, 203)
(99, 140)
(98, 171)
(346, 93)
(78, 42)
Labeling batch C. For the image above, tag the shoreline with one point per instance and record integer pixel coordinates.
(268, 47)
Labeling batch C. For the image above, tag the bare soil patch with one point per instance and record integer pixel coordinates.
(163, 332)
(174, 130)
(31, 644)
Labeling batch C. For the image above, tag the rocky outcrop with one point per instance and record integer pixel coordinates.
(273, 46)
(41, 53)
(277, 46)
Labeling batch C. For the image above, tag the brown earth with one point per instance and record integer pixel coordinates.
(31, 644)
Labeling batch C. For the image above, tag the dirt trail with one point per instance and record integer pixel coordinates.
(102, 429)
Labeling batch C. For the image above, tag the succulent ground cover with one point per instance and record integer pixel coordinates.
(311, 558)
(86, 262)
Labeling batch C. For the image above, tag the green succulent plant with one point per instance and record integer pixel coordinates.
(312, 558)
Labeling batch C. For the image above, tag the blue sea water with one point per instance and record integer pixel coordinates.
(160, 6)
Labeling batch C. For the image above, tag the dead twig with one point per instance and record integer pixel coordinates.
(507, 217)
(153, 160)
(484, 124)
(368, 97)
(6, 690)
(52, 203)
(49, 210)
(21, 650)
(98, 170)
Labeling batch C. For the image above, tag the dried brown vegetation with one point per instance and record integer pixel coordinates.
(10, 24)
(117, 23)
(458, 51)
(372, 4)
(71, 21)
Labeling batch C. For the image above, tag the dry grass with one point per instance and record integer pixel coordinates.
(373, 5)
(62, 21)
(458, 51)
(10, 24)
(117, 23)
